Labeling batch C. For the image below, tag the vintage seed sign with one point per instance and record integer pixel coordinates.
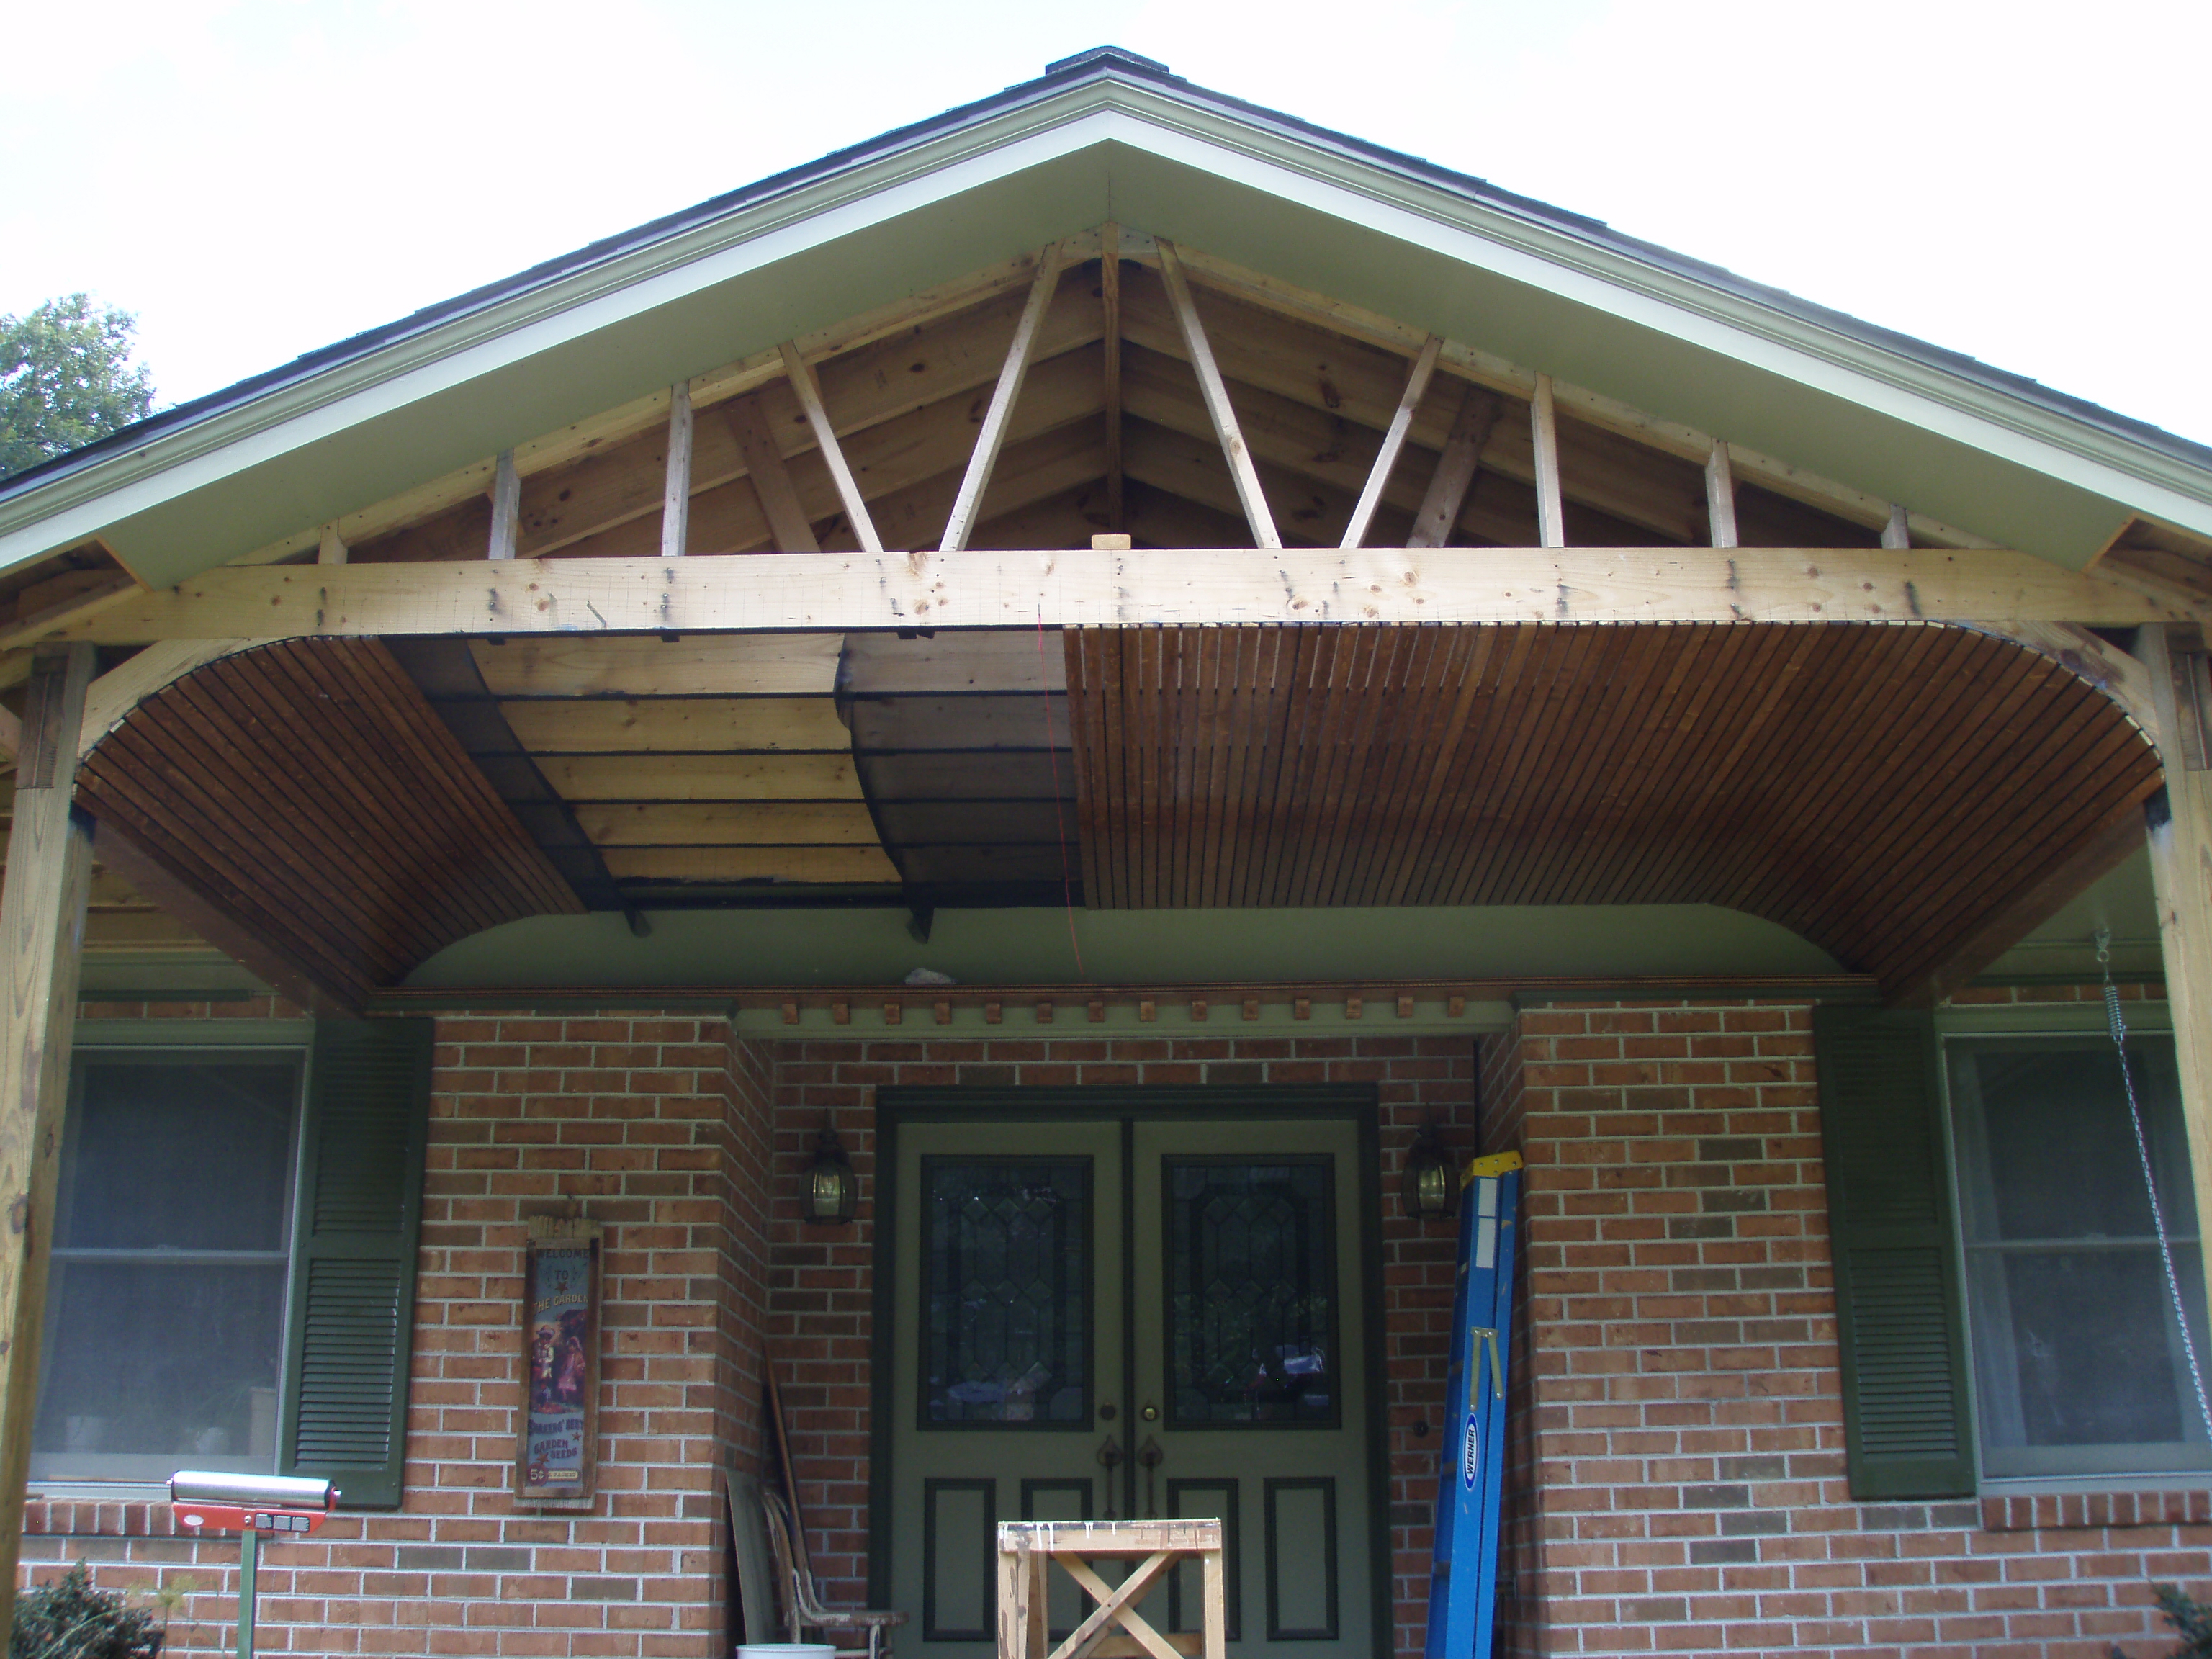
(554, 1462)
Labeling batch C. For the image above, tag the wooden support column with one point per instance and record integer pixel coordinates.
(1109, 295)
(676, 496)
(42, 931)
(1544, 432)
(1393, 441)
(506, 507)
(1720, 495)
(332, 548)
(968, 504)
(1897, 532)
(2180, 835)
(1215, 390)
(833, 453)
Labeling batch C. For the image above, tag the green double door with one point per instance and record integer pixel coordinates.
(1128, 1317)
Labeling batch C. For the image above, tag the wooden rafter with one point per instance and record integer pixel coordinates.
(967, 502)
(1218, 405)
(1455, 468)
(826, 437)
(1393, 441)
(770, 476)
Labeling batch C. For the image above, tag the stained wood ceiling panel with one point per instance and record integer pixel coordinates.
(309, 789)
(1884, 792)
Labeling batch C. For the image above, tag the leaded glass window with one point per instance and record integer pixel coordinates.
(1251, 1308)
(1007, 1308)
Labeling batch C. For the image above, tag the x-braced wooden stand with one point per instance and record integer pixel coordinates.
(1025, 1547)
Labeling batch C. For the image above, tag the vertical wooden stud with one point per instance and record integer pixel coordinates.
(42, 906)
(506, 507)
(676, 494)
(1110, 294)
(1720, 495)
(1897, 532)
(1544, 431)
(332, 548)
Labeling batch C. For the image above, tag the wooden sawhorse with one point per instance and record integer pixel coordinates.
(1025, 1547)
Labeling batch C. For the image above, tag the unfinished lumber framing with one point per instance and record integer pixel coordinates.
(2181, 839)
(771, 478)
(42, 911)
(1393, 441)
(1110, 299)
(1544, 431)
(1720, 496)
(506, 507)
(1143, 587)
(675, 497)
(1455, 469)
(1897, 530)
(331, 548)
(809, 392)
(1215, 390)
(967, 502)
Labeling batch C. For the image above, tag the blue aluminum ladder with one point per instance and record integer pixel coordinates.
(1463, 1583)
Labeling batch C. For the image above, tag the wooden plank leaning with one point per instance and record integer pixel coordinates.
(1026, 1546)
(42, 909)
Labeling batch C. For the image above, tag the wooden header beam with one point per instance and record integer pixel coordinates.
(1146, 587)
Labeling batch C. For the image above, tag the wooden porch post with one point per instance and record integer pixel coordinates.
(2180, 840)
(42, 931)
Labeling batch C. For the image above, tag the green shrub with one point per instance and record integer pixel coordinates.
(70, 1619)
(2190, 1618)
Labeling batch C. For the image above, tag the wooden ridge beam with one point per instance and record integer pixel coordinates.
(1144, 587)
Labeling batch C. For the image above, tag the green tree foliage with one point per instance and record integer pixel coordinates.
(70, 1619)
(66, 379)
(2190, 1618)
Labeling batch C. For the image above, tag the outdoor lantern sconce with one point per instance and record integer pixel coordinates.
(1429, 1192)
(832, 1188)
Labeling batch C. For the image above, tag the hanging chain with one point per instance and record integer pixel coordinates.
(2150, 1185)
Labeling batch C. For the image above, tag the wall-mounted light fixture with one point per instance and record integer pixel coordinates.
(832, 1188)
(1430, 1189)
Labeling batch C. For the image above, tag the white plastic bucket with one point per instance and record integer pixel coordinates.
(786, 1650)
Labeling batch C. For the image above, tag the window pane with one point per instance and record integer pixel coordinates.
(170, 1152)
(2078, 1362)
(151, 1368)
(1006, 1325)
(166, 1297)
(1251, 1292)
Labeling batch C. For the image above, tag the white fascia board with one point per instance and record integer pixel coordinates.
(1281, 164)
(78, 505)
(1729, 324)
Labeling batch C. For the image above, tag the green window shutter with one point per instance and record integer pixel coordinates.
(1907, 1422)
(352, 1257)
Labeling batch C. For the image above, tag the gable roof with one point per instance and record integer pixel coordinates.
(1106, 134)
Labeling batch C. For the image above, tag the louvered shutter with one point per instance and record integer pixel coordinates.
(353, 1258)
(1908, 1428)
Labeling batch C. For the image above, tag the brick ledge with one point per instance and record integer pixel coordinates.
(2096, 1509)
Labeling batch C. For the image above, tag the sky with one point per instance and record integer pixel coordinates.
(255, 179)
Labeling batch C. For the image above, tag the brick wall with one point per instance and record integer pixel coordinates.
(660, 1126)
(1678, 1442)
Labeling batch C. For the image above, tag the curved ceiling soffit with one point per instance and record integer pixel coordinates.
(305, 790)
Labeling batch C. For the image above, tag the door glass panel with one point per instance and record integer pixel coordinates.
(1251, 1275)
(1007, 1314)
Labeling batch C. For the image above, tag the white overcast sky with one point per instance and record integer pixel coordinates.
(2023, 181)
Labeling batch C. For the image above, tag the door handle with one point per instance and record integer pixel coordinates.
(1148, 1459)
(1109, 1455)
